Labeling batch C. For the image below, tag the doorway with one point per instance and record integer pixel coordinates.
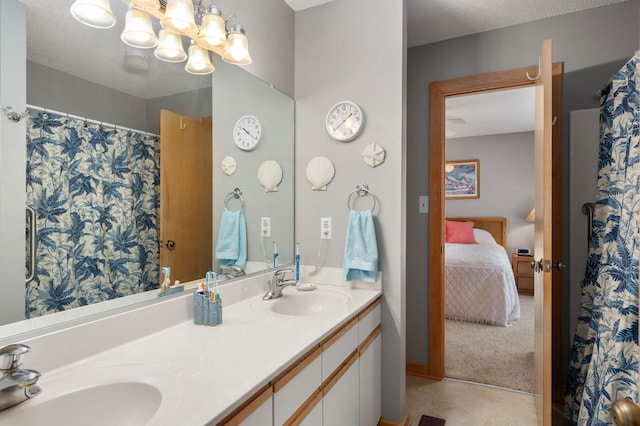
(477, 84)
(493, 134)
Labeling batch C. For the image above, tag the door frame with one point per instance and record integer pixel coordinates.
(438, 92)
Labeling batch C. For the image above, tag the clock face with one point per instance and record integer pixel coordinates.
(247, 133)
(345, 121)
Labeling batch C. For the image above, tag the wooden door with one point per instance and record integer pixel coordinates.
(543, 236)
(186, 192)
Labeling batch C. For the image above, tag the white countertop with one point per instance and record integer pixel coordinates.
(205, 372)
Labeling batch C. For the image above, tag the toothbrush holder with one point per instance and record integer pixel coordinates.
(206, 311)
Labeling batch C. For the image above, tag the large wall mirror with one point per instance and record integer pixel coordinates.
(94, 160)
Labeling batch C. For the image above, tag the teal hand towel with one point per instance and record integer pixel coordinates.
(231, 247)
(361, 248)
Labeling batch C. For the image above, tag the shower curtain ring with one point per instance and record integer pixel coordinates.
(13, 115)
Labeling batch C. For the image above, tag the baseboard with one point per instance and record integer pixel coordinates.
(419, 370)
(406, 421)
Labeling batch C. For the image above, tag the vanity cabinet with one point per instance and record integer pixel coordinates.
(257, 411)
(339, 382)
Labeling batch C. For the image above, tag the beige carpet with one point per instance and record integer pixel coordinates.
(499, 356)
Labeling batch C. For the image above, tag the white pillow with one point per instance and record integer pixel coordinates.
(483, 237)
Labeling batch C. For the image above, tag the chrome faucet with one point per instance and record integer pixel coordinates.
(16, 384)
(237, 272)
(278, 283)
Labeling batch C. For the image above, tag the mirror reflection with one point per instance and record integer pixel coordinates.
(105, 191)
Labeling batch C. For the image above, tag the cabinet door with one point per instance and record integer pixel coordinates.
(370, 366)
(336, 350)
(295, 387)
(339, 405)
(257, 412)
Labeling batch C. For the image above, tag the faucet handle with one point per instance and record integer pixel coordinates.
(11, 356)
(281, 272)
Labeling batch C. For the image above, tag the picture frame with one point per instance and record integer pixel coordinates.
(462, 179)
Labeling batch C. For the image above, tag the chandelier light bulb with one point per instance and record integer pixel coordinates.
(170, 47)
(238, 51)
(138, 31)
(94, 13)
(179, 17)
(199, 62)
(146, 5)
(212, 33)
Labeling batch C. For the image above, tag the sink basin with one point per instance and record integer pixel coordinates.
(110, 404)
(117, 395)
(317, 302)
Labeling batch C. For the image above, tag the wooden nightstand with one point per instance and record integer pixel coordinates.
(524, 274)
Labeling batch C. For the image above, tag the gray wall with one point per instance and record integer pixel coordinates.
(506, 182)
(341, 56)
(591, 52)
(238, 94)
(12, 160)
(270, 26)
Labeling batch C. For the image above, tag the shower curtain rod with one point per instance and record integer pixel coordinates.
(89, 120)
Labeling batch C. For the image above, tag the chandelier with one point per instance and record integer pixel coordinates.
(205, 27)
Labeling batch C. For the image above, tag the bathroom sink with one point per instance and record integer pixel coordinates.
(316, 302)
(99, 397)
(109, 404)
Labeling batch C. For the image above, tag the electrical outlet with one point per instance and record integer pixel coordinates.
(265, 226)
(325, 228)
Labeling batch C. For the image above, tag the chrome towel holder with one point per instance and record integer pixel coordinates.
(237, 195)
(362, 190)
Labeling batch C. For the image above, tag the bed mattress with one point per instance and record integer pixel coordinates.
(479, 284)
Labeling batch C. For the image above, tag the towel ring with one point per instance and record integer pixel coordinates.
(235, 194)
(362, 190)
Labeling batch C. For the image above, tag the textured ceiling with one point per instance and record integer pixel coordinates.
(435, 20)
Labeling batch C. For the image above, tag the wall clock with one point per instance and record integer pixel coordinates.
(345, 121)
(247, 133)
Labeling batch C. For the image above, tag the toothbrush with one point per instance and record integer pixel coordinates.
(215, 286)
(275, 254)
(207, 279)
(297, 261)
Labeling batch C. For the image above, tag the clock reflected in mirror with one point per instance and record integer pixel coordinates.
(247, 133)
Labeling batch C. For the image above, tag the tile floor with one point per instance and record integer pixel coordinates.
(468, 404)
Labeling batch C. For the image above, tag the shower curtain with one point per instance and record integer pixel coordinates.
(604, 358)
(95, 191)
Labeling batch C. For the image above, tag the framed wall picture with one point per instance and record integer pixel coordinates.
(462, 179)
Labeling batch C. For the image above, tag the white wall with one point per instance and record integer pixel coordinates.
(506, 182)
(343, 53)
(12, 160)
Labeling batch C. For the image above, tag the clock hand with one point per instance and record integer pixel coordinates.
(247, 132)
(342, 122)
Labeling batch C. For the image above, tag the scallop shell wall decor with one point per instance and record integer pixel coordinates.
(270, 175)
(320, 173)
(373, 155)
(229, 165)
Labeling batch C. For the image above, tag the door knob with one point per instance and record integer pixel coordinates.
(625, 412)
(536, 265)
(559, 266)
(171, 245)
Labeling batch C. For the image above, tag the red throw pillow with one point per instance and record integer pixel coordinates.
(459, 232)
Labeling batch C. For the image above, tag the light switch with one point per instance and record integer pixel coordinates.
(423, 206)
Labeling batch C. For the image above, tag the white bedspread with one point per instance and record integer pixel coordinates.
(479, 284)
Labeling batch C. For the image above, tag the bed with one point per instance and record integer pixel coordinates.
(479, 282)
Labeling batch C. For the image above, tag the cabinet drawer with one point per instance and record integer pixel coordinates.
(525, 285)
(338, 347)
(523, 268)
(258, 411)
(368, 320)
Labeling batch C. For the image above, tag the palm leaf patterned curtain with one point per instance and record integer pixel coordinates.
(96, 197)
(604, 358)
